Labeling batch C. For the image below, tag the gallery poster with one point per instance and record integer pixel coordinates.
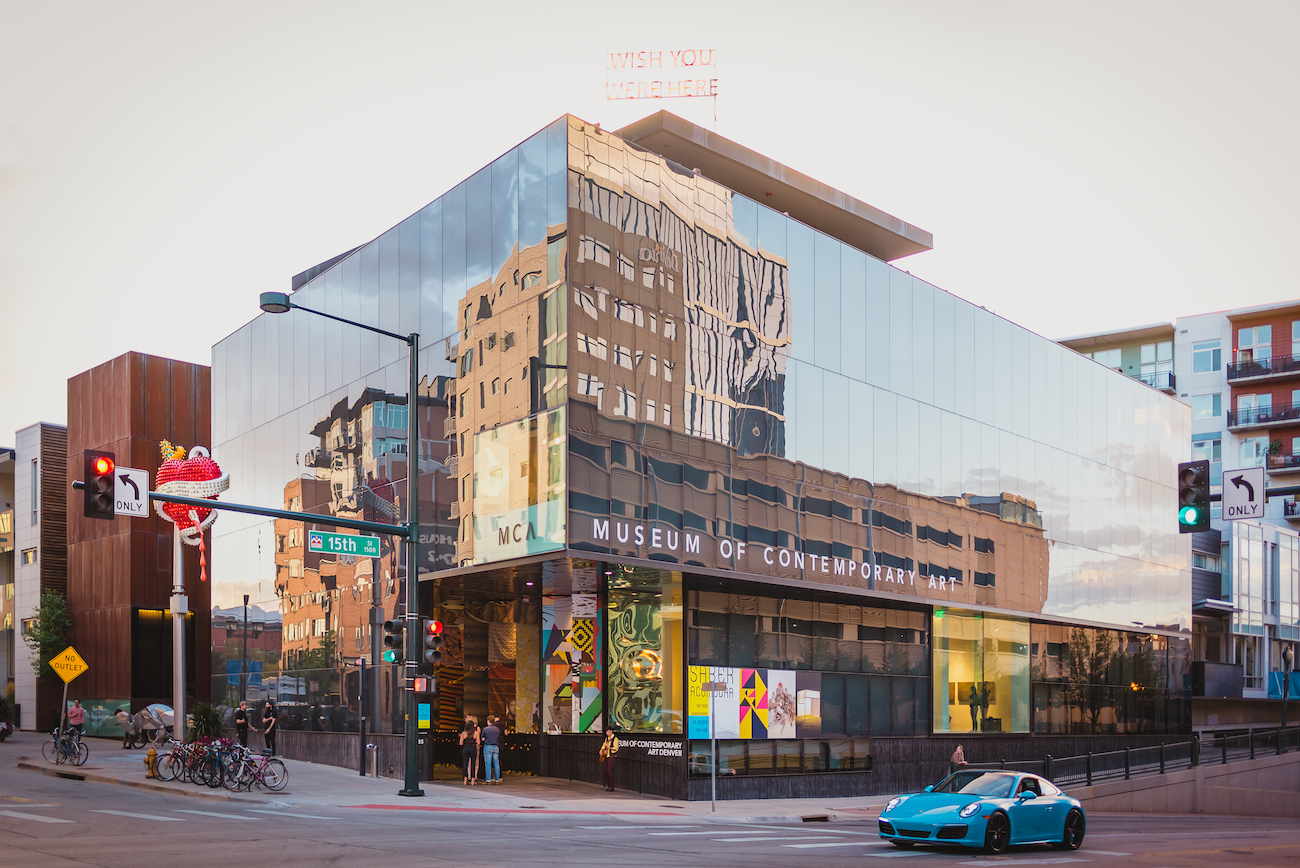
(758, 703)
(808, 705)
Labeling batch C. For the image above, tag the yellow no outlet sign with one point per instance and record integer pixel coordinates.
(68, 664)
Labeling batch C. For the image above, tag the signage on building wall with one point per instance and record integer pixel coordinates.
(529, 530)
(756, 703)
(661, 74)
(343, 544)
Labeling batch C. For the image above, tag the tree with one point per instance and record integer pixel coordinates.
(1088, 659)
(47, 632)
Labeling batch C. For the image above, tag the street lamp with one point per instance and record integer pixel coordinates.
(278, 302)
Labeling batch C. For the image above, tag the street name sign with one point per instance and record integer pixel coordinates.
(343, 544)
(1243, 493)
(68, 664)
(131, 492)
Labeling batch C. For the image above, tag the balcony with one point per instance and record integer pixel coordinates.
(1160, 380)
(317, 458)
(1263, 369)
(1280, 464)
(1291, 509)
(453, 510)
(449, 427)
(1262, 417)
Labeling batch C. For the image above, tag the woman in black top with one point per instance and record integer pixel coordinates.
(469, 738)
(270, 725)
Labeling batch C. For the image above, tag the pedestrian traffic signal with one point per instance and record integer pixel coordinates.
(393, 641)
(431, 644)
(426, 684)
(1193, 496)
(99, 501)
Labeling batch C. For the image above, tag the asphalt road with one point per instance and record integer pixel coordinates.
(46, 821)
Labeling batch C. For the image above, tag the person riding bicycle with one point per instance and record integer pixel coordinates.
(76, 719)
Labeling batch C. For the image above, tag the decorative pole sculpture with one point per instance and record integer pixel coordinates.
(196, 476)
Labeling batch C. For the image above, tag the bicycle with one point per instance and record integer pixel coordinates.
(65, 747)
(264, 770)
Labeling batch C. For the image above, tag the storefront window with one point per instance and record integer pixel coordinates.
(645, 649)
(981, 673)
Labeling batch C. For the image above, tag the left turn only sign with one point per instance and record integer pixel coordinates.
(68, 664)
(131, 492)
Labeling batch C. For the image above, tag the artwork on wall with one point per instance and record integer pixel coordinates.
(756, 703)
(571, 631)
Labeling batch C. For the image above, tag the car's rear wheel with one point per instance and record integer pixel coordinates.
(997, 835)
(904, 845)
(1072, 837)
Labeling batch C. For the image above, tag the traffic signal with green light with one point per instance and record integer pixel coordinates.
(431, 641)
(393, 641)
(1193, 496)
(100, 485)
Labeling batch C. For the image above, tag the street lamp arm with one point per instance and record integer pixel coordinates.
(403, 338)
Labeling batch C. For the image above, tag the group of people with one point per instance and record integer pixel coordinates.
(488, 738)
(270, 724)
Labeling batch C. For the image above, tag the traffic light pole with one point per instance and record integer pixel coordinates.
(413, 639)
(180, 606)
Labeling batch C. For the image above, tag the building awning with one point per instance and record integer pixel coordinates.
(1217, 608)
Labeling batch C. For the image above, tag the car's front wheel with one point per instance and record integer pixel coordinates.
(1072, 837)
(997, 834)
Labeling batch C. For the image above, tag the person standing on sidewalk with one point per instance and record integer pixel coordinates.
(241, 722)
(468, 747)
(76, 718)
(269, 725)
(492, 750)
(608, 751)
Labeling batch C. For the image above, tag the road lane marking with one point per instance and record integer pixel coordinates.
(224, 816)
(33, 805)
(1105, 853)
(902, 854)
(656, 826)
(783, 838)
(831, 844)
(718, 832)
(154, 817)
(1060, 860)
(37, 817)
(287, 814)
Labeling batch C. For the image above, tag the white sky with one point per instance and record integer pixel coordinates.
(1082, 165)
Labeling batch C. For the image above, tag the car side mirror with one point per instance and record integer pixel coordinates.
(1027, 794)
(929, 788)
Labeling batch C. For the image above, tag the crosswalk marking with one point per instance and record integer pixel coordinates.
(656, 826)
(718, 832)
(1106, 853)
(37, 817)
(154, 817)
(287, 814)
(224, 816)
(783, 838)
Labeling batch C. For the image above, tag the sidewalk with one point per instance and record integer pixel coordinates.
(313, 785)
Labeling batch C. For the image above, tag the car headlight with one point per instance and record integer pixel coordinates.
(894, 803)
(970, 810)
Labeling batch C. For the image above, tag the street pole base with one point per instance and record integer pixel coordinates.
(406, 792)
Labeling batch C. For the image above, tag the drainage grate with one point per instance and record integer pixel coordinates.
(817, 818)
(678, 807)
(533, 807)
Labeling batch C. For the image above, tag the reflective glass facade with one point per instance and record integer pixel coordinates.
(665, 386)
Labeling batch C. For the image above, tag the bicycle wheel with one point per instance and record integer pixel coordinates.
(50, 751)
(233, 774)
(62, 752)
(83, 754)
(275, 775)
(168, 766)
(215, 772)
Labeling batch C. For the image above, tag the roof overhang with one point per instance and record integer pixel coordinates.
(1218, 608)
(1104, 340)
(779, 187)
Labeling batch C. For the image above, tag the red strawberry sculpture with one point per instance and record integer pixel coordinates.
(196, 476)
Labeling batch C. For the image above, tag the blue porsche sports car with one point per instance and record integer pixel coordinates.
(988, 809)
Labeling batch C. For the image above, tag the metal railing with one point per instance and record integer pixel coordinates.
(1217, 749)
(1284, 462)
(1263, 415)
(1163, 380)
(1264, 367)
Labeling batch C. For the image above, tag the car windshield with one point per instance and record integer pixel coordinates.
(977, 784)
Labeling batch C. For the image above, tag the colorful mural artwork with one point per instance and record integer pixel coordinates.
(757, 703)
(571, 651)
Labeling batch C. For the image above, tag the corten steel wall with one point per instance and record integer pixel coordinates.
(127, 406)
(53, 548)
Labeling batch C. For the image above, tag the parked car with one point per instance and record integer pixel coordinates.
(988, 809)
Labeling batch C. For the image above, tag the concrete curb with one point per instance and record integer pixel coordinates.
(127, 782)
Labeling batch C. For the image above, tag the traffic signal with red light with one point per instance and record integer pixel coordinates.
(393, 641)
(99, 491)
(1193, 496)
(431, 641)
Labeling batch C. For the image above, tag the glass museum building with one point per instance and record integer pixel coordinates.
(682, 424)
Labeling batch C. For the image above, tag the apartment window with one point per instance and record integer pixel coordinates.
(670, 329)
(1254, 408)
(506, 387)
(593, 346)
(1207, 406)
(650, 411)
(1157, 363)
(29, 556)
(667, 414)
(492, 341)
(1109, 358)
(625, 403)
(496, 385)
(654, 366)
(531, 279)
(464, 402)
(1202, 561)
(295, 568)
(1254, 343)
(1209, 449)
(623, 356)
(1206, 357)
(36, 492)
(1253, 451)
(1295, 339)
(589, 385)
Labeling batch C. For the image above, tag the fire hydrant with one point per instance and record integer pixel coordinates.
(151, 763)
